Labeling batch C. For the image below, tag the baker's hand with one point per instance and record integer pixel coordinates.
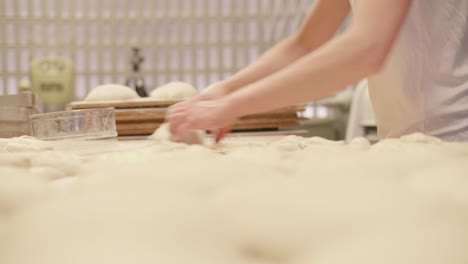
(220, 133)
(215, 115)
(182, 106)
(213, 92)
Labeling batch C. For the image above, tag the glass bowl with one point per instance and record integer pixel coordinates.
(95, 123)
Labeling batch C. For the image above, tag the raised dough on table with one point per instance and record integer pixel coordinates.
(447, 179)
(413, 241)
(287, 146)
(254, 210)
(260, 155)
(18, 188)
(18, 160)
(47, 173)
(288, 143)
(38, 157)
(320, 141)
(420, 138)
(255, 204)
(112, 92)
(66, 164)
(415, 143)
(174, 91)
(23, 144)
(359, 143)
(232, 144)
(177, 221)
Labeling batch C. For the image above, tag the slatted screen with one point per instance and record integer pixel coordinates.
(197, 41)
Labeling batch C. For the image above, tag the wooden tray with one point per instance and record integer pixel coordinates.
(158, 114)
(137, 103)
(151, 103)
(126, 129)
(143, 116)
(146, 128)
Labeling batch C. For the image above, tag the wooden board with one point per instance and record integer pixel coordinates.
(254, 126)
(150, 103)
(137, 103)
(127, 129)
(140, 114)
(143, 116)
(158, 114)
(146, 128)
(267, 120)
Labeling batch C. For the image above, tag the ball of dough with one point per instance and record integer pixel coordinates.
(192, 138)
(111, 92)
(174, 91)
(162, 133)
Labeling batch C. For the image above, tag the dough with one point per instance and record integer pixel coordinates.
(443, 180)
(18, 189)
(38, 157)
(289, 143)
(360, 143)
(18, 160)
(163, 134)
(174, 91)
(320, 141)
(52, 165)
(291, 201)
(23, 144)
(420, 138)
(111, 92)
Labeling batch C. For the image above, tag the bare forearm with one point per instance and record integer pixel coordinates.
(321, 24)
(343, 61)
(278, 57)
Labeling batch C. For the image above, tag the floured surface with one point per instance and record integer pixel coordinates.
(293, 200)
(23, 144)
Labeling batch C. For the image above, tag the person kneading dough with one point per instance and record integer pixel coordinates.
(413, 52)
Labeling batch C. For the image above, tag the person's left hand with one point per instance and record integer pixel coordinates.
(214, 115)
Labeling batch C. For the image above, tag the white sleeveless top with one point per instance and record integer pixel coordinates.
(424, 84)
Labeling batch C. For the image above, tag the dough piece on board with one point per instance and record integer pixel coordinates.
(174, 91)
(111, 92)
